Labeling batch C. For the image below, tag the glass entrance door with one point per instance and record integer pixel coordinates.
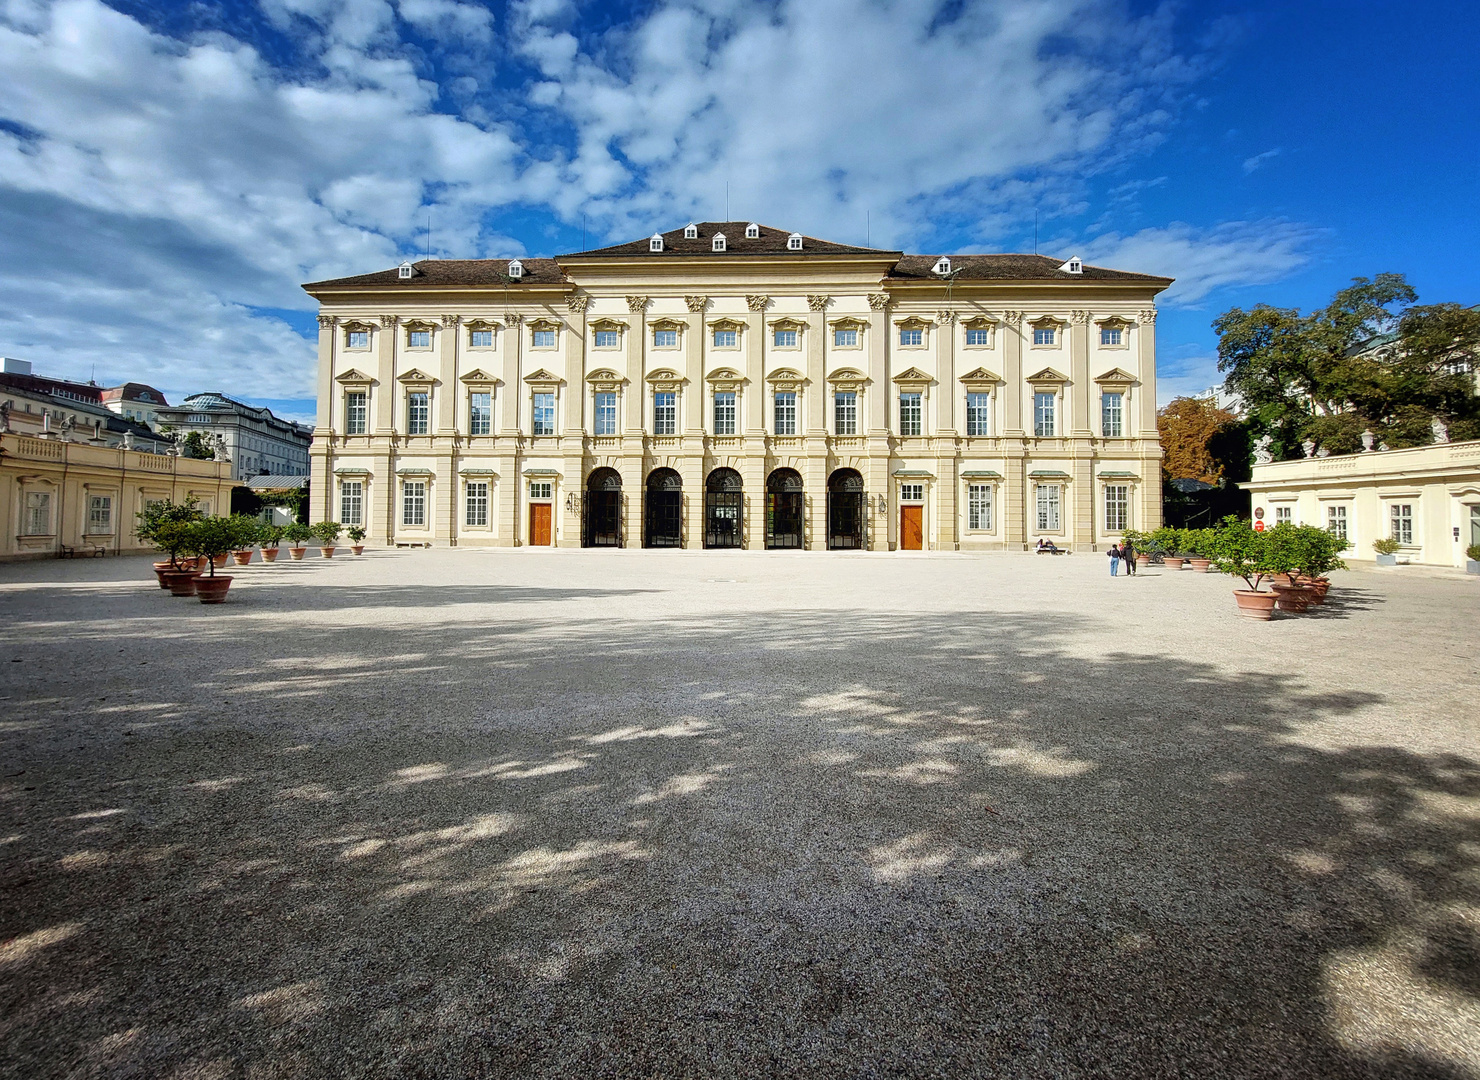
(723, 507)
(845, 510)
(785, 510)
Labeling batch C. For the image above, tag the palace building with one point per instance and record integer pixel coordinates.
(731, 385)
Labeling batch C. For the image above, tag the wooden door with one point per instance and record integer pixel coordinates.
(911, 528)
(539, 524)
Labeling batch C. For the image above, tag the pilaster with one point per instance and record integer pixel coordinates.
(385, 399)
(1079, 384)
(1012, 374)
(324, 416)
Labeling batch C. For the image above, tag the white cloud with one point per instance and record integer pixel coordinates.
(1236, 253)
(1250, 164)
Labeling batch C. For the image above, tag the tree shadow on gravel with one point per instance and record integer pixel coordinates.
(839, 843)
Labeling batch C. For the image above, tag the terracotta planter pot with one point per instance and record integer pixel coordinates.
(160, 569)
(1200, 566)
(1318, 587)
(212, 590)
(1255, 605)
(327, 551)
(297, 553)
(219, 560)
(1143, 561)
(242, 557)
(1173, 562)
(180, 582)
(269, 554)
(1292, 598)
(1281, 579)
(358, 549)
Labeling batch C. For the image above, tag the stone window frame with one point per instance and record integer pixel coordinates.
(913, 381)
(725, 380)
(979, 322)
(667, 324)
(848, 380)
(608, 326)
(663, 381)
(112, 494)
(1051, 321)
(990, 480)
(1116, 381)
(486, 497)
(787, 323)
(417, 381)
(912, 322)
(359, 327)
(1114, 322)
(540, 326)
(847, 322)
(734, 326)
(425, 478)
(786, 380)
(479, 381)
(981, 381)
(605, 381)
(361, 480)
(355, 382)
(1048, 381)
(483, 326)
(419, 326)
(541, 381)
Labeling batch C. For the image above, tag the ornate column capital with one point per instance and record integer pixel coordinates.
(451, 322)
(513, 318)
(1079, 318)
(1013, 318)
(946, 317)
(389, 321)
(758, 303)
(697, 304)
(577, 303)
(879, 301)
(328, 321)
(819, 303)
(1146, 316)
(637, 303)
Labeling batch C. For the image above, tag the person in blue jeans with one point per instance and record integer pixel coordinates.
(1114, 560)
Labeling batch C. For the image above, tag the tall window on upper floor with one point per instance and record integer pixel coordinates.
(724, 412)
(544, 414)
(418, 413)
(351, 502)
(911, 335)
(845, 412)
(978, 414)
(1045, 420)
(786, 412)
(356, 412)
(480, 414)
(605, 418)
(909, 413)
(665, 412)
(1112, 414)
(665, 339)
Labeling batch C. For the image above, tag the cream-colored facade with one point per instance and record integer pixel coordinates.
(836, 397)
(58, 494)
(1426, 497)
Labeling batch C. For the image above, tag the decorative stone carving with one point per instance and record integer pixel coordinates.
(328, 321)
(879, 301)
(1013, 318)
(577, 304)
(1369, 440)
(946, 317)
(1323, 452)
(637, 303)
(389, 321)
(1383, 446)
(1262, 453)
(218, 445)
(697, 304)
(513, 318)
(758, 303)
(451, 322)
(1440, 430)
(819, 303)
(1309, 447)
(1147, 316)
(4, 417)
(128, 440)
(1079, 318)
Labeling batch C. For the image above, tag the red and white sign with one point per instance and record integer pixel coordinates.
(1258, 526)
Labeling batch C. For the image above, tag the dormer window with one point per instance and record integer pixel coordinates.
(752, 231)
(516, 269)
(942, 266)
(655, 242)
(794, 242)
(1073, 266)
(405, 270)
(719, 242)
(691, 231)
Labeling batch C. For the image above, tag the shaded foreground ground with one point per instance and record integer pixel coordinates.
(458, 814)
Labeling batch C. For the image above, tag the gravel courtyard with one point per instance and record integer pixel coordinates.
(644, 814)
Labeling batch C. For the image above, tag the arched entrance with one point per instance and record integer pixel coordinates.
(603, 524)
(664, 512)
(845, 510)
(784, 509)
(722, 509)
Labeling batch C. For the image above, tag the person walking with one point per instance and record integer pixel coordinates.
(1114, 560)
(1128, 553)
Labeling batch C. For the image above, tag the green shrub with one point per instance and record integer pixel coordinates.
(327, 532)
(1316, 551)
(356, 534)
(247, 528)
(1386, 547)
(1473, 552)
(298, 534)
(162, 525)
(212, 537)
(1240, 551)
(271, 535)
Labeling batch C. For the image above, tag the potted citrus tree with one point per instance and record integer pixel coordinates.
(247, 529)
(1386, 551)
(298, 534)
(1242, 552)
(270, 536)
(1317, 553)
(1199, 544)
(156, 527)
(356, 539)
(212, 538)
(326, 533)
(1283, 554)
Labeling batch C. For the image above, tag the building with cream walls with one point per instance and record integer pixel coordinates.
(734, 385)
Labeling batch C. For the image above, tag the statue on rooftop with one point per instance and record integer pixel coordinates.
(1262, 454)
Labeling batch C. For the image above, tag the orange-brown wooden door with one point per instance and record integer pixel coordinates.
(539, 524)
(911, 528)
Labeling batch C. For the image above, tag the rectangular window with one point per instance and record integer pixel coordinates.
(979, 506)
(37, 512)
(911, 335)
(978, 414)
(418, 413)
(665, 339)
(356, 413)
(481, 339)
(1336, 521)
(606, 339)
(909, 414)
(606, 413)
(845, 412)
(419, 339)
(540, 490)
(477, 502)
(1117, 507)
(725, 339)
(665, 413)
(100, 514)
(414, 502)
(480, 414)
(1044, 335)
(911, 492)
(544, 339)
(1043, 415)
(785, 339)
(845, 338)
(351, 502)
(978, 335)
(544, 414)
(1109, 335)
(1283, 514)
(359, 339)
(724, 412)
(1402, 519)
(1048, 508)
(786, 412)
(1111, 412)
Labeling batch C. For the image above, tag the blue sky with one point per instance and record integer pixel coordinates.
(171, 172)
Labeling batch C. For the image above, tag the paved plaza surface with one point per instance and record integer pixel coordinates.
(668, 814)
